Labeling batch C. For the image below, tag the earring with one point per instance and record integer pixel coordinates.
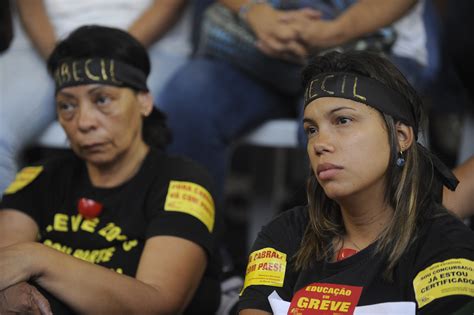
(400, 159)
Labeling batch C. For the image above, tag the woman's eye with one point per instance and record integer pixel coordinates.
(343, 120)
(65, 107)
(310, 130)
(102, 100)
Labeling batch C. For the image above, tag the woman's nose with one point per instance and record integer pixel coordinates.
(322, 143)
(86, 118)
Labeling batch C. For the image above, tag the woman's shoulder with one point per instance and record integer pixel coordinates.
(167, 173)
(439, 264)
(448, 231)
(288, 227)
(54, 165)
(175, 166)
(44, 173)
(295, 218)
(442, 238)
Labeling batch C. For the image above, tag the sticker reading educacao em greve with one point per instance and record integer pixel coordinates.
(23, 178)
(450, 277)
(266, 266)
(325, 299)
(193, 199)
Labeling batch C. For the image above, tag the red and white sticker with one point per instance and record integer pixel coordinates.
(325, 299)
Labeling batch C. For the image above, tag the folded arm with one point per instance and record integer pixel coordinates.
(363, 17)
(168, 274)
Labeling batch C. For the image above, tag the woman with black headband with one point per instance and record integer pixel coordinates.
(374, 238)
(118, 227)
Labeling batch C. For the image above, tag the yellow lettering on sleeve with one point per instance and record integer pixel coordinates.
(266, 266)
(192, 199)
(24, 178)
(450, 277)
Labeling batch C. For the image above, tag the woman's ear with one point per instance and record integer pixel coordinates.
(145, 101)
(405, 136)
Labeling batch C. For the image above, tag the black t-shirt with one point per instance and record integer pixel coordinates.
(167, 196)
(436, 272)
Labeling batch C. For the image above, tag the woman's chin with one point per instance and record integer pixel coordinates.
(335, 193)
(98, 159)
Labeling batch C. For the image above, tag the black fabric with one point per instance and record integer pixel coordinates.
(98, 71)
(132, 213)
(440, 239)
(6, 26)
(365, 90)
(443, 173)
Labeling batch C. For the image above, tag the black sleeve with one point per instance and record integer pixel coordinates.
(26, 191)
(185, 206)
(445, 284)
(443, 272)
(270, 262)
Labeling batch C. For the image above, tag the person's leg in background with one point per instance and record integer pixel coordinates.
(209, 104)
(26, 104)
(169, 53)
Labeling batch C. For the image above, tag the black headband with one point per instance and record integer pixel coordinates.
(364, 90)
(98, 70)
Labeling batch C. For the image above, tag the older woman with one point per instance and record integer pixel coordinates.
(118, 227)
(374, 237)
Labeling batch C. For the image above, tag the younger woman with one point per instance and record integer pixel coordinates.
(374, 236)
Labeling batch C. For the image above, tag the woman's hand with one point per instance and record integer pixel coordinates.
(317, 34)
(23, 298)
(277, 33)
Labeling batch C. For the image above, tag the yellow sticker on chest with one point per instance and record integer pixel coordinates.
(24, 178)
(450, 277)
(266, 266)
(192, 199)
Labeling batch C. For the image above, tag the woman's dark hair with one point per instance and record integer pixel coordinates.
(94, 41)
(412, 190)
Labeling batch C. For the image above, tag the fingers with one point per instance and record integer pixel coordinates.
(41, 302)
(292, 52)
(296, 15)
(311, 13)
(22, 298)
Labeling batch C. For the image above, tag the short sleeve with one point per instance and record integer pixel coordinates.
(445, 284)
(24, 192)
(184, 206)
(443, 273)
(269, 266)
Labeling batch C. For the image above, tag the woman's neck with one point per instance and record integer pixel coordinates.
(120, 170)
(365, 221)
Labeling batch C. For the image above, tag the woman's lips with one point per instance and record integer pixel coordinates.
(92, 147)
(327, 170)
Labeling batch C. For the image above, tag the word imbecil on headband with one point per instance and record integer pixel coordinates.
(364, 90)
(72, 72)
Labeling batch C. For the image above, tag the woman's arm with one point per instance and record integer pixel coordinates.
(169, 272)
(363, 17)
(37, 25)
(16, 227)
(157, 20)
(461, 201)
